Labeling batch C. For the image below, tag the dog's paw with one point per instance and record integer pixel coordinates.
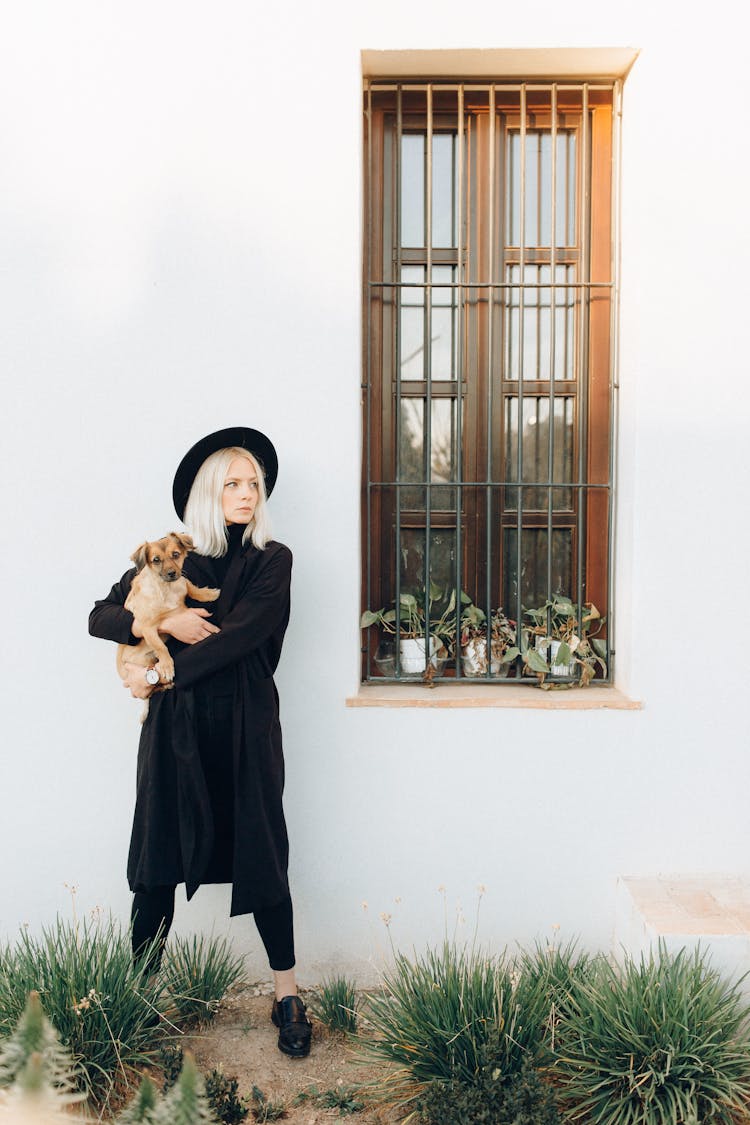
(212, 594)
(165, 668)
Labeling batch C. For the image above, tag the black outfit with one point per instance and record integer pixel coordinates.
(210, 762)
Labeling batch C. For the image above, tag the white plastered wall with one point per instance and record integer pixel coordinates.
(180, 228)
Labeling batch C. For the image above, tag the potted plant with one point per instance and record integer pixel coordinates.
(417, 655)
(561, 643)
(502, 644)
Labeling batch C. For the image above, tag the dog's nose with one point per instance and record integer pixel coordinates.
(171, 573)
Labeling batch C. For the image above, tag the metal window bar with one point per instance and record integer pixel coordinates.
(492, 285)
(521, 369)
(428, 377)
(460, 276)
(585, 267)
(397, 361)
(492, 259)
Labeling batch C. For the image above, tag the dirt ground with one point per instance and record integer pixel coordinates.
(241, 1041)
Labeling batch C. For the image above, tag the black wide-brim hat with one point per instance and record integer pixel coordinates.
(253, 441)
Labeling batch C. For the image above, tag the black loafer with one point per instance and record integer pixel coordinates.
(295, 1029)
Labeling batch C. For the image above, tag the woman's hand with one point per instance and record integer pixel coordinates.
(136, 680)
(188, 625)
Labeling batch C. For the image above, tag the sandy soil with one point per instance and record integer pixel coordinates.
(241, 1041)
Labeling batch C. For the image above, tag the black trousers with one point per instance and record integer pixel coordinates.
(153, 910)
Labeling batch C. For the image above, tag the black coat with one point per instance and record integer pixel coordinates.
(210, 761)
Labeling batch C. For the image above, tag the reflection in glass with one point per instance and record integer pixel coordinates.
(535, 451)
(412, 189)
(534, 566)
(442, 558)
(537, 322)
(443, 190)
(414, 452)
(538, 195)
(443, 342)
(444, 336)
(411, 323)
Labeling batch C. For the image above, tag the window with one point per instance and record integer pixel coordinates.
(489, 305)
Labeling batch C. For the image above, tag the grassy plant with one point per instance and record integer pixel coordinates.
(342, 1098)
(103, 1009)
(264, 1110)
(662, 1041)
(197, 973)
(438, 1013)
(552, 972)
(521, 1099)
(335, 1004)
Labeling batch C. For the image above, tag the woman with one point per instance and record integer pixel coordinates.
(210, 762)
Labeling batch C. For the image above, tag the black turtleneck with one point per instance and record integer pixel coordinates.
(221, 565)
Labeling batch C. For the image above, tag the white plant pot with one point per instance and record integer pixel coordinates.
(542, 646)
(474, 659)
(413, 655)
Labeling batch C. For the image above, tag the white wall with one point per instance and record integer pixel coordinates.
(180, 226)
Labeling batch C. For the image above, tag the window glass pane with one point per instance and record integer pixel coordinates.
(411, 322)
(534, 566)
(566, 189)
(443, 190)
(533, 347)
(443, 324)
(536, 175)
(413, 452)
(442, 558)
(535, 451)
(412, 189)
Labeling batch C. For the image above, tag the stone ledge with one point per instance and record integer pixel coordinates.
(686, 911)
(592, 698)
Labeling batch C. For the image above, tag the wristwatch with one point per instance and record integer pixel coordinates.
(152, 676)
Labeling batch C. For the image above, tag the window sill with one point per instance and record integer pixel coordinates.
(523, 696)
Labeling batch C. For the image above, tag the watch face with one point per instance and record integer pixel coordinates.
(152, 676)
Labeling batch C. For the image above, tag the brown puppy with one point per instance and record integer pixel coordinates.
(157, 590)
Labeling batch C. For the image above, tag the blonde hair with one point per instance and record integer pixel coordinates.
(204, 516)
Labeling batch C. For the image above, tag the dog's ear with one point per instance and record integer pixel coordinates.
(139, 556)
(184, 540)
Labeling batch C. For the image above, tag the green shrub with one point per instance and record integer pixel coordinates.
(521, 1099)
(438, 1013)
(197, 973)
(37, 1075)
(662, 1041)
(335, 1004)
(222, 1092)
(103, 1009)
(223, 1097)
(142, 1107)
(185, 1103)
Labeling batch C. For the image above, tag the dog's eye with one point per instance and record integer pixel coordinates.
(156, 560)
(175, 554)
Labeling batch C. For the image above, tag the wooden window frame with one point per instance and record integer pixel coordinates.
(482, 384)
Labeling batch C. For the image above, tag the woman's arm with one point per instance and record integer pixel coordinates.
(110, 620)
(262, 609)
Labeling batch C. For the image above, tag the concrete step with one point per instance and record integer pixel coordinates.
(685, 911)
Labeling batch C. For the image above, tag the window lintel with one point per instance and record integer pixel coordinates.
(580, 63)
